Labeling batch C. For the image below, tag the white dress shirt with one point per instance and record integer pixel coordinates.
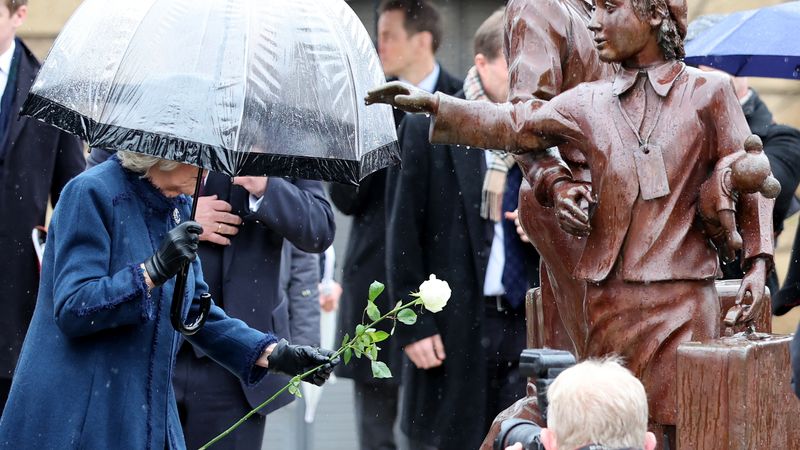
(5, 66)
(493, 283)
(429, 82)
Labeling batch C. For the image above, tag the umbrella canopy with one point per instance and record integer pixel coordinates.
(760, 43)
(243, 87)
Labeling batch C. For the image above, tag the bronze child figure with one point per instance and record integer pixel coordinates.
(651, 136)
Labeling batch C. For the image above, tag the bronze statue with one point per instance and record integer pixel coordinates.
(651, 136)
(550, 50)
(734, 175)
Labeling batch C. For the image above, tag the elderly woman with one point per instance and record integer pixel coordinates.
(96, 367)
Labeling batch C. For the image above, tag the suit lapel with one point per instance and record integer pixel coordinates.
(24, 82)
(222, 186)
(447, 84)
(469, 168)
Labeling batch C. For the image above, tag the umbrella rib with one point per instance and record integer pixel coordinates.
(244, 88)
(122, 58)
(343, 44)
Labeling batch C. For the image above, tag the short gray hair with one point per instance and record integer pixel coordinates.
(141, 163)
(597, 402)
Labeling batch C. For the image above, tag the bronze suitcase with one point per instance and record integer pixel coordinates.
(727, 290)
(734, 393)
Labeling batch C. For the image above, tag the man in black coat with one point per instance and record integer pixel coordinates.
(409, 33)
(36, 161)
(244, 227)
(464, 359)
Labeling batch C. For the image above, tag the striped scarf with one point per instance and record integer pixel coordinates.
(494, 183)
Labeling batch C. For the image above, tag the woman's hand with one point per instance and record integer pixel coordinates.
(178, 248)
(298, 359)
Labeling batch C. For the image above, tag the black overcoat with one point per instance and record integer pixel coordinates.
(434, 227)
(38, 160)
(365, 257)
(243, 276)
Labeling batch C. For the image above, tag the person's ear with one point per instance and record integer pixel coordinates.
(480, 61)
(549, 439)
(20, 15)
(649, 441)
(425, 40)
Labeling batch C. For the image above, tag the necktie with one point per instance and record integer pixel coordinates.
(514, 279)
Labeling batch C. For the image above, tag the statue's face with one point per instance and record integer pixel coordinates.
(619, 33)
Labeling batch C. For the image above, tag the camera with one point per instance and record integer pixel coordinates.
(517, 430)
(542, 365)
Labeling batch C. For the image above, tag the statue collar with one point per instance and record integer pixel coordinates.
(661, 77)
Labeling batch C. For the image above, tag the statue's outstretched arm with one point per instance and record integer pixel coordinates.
(518, 128)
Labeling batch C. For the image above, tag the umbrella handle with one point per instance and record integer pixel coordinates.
(176, 309)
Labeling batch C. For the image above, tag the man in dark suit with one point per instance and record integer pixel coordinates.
(36, 161)
(245, 222)
(409, 33)
(440, 221)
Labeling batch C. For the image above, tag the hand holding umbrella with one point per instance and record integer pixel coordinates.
(177, 249)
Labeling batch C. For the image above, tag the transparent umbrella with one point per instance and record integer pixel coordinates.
(243, 87)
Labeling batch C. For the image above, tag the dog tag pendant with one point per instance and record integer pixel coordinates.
(652, 172)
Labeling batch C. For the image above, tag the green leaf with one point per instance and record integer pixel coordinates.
(360, 329)
(368, 352)
(357, 351)
(373, 312)
(407, 316)
(379, 336)
(348, 354)
(364, 342)
(380, 370)
(346, 339)
(397, 305)
(373, 352)
(375, 290)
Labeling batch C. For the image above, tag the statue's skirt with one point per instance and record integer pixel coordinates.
(644, 323)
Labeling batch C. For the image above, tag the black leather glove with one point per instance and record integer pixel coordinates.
(297, 359)
(177, 248)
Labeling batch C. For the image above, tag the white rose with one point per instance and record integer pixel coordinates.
(434, 294)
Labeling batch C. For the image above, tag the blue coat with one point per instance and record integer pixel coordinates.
(96, 366)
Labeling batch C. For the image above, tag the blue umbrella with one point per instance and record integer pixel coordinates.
(762, 42)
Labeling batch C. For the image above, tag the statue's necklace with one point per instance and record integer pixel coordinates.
(649, 160)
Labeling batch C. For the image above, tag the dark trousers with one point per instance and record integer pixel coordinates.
(504, 339)
(376, 411)
(5, 388)
(210, 400)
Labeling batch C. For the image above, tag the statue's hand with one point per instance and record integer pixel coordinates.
(753, 284)
(571, 202)
(403, 96)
